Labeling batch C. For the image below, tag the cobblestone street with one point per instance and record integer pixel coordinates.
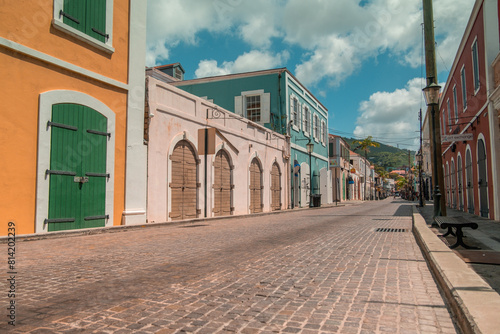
(322, 270)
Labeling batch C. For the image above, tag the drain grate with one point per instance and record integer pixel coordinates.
(386, 229)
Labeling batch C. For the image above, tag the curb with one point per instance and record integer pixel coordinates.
(473, 303)
(123, 228)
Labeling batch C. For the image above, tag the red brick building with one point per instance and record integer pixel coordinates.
(470, 164)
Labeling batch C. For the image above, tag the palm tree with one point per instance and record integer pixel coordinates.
(365, 145)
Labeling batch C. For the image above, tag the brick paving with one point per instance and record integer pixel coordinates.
(310, 271)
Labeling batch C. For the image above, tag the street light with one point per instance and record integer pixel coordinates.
(431, 95)
(310, 148)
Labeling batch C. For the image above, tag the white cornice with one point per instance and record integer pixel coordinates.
(60, 63)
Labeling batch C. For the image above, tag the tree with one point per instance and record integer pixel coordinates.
(393, 175)
(401, 183)
(365, 145)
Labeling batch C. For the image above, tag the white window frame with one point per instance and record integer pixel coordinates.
(245, 103)
(448, 110)
(455, 105)
(306, 120)
(240, 105)
(464, 87)
(323, 132)
(475, 66)
(316, 129)
(325, 139)
(294, 101)
(57, 22)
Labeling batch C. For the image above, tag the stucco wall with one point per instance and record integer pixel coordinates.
(37, 59)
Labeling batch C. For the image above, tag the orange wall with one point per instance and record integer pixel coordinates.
(30, 25)
(23, 79)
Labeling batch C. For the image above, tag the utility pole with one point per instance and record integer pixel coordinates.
(434, 125)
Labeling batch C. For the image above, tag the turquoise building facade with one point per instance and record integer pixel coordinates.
(278, 101)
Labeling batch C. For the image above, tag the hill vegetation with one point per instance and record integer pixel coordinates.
(385, 156)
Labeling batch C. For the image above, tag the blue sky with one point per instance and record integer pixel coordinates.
(361, 59)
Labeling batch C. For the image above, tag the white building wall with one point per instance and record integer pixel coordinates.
(176, 115)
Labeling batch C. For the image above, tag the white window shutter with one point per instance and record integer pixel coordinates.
(303, 117)
(325, 137)
(291, 109)
(265, 113)
(314, 127)
(323, 132)
(299, 107)
(238, 105)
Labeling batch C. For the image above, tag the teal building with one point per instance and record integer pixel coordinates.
(278, 101)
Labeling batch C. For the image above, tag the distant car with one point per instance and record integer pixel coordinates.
(396, 194)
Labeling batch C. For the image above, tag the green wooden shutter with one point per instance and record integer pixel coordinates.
(74, 13)
(88, 16)
(96, 19)
(64, 197)
(78, 149)
(94, 167)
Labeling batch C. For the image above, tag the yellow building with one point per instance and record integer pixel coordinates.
(72, 114)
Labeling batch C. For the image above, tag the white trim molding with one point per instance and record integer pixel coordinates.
(60, 63)
(136, 169)
(58, 23)
(47, 100)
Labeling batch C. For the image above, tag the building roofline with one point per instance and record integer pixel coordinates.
(159, 67)
(245, 75)
(472, 20)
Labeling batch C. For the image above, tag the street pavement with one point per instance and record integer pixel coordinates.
(320, 270)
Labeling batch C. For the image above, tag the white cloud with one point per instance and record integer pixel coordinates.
(392, 117)
(250, 61)
(171, 22)
(259, 31)
(209, 68)
(335, 58)
(335, 37)
(346, 34)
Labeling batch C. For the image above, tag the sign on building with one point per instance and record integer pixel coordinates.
(459, 137)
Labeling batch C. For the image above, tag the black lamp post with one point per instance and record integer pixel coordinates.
(431, 94)
(310, 148)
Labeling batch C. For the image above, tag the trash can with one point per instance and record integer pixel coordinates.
(316, 200)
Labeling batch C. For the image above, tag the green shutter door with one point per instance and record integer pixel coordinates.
(87, 16)
(77, 190)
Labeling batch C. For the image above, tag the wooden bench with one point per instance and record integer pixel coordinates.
(458, 223)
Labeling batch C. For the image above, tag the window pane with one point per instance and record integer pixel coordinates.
(475, 65)
(253, 108)
(464, 89)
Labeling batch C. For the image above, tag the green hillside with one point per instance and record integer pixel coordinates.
(385, 156)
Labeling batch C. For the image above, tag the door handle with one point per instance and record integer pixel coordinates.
(80, 179)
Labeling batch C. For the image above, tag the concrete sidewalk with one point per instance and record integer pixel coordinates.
(469, 279)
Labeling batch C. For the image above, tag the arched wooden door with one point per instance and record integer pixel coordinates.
(255, 187)
(222, 185)
(483, 179)
(275, 188)
(183, 187)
